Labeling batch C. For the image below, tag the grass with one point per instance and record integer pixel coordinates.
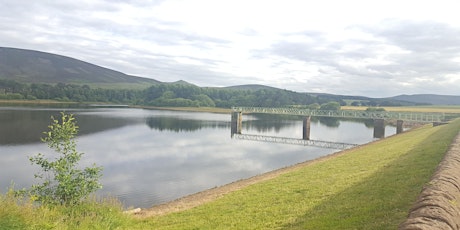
(371, 187)
(22, 214)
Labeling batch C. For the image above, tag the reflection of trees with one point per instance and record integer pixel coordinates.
(27, 126)
(329, 121)
(181, 124)
(369, 123)
(266, 125)
(22, 126)
(269, 122)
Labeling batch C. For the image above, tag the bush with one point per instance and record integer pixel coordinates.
(333, 105)
(375, 109)
(63, 182)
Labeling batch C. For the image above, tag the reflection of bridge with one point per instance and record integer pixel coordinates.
(294, 141)
(379, 117)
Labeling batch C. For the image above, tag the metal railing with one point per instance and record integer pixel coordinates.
(294, 141)
(405, 116)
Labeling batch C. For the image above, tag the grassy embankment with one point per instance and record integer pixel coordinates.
(370, 187)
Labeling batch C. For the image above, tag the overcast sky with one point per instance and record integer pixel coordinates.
(353, 47)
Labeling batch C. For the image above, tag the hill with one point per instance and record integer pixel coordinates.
(251, 87)
(29, 66)
(429, 99)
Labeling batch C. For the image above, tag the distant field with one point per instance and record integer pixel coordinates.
(425, 109)
(25, 102)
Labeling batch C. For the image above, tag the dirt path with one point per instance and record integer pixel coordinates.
(209, 195)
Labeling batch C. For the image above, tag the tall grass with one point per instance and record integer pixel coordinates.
(19, 213)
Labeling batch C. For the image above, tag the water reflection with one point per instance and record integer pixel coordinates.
(179, 124)
(294, 141)
(150, 157)
(25, 126)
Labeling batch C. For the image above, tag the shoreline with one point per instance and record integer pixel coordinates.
(209, 195)
(187, 109)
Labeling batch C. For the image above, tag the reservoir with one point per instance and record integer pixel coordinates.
(151, 157)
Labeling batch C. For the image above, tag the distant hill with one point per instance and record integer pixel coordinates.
(181, 82)
(252, 87)
(28, 66)
(429, 99)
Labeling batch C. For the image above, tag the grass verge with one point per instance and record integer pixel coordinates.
(370, 187)
(94, 214)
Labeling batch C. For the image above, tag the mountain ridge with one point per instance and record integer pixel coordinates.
(31, 66)
(434, 99)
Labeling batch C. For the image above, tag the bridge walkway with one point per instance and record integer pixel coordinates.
(403, 116)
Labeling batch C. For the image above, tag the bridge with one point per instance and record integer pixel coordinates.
(379, 117)
(403, 116)
(294, 141)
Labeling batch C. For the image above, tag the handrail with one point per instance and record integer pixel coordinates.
(405, 116)
(295, 141)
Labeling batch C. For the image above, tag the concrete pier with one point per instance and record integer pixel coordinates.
(379, 128)
(306, 128)
(237, 122)
(399, 126)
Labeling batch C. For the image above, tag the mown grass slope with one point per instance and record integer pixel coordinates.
(370, 187)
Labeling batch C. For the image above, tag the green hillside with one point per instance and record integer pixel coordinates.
(430, 99)
(28, 66)
(57, 77)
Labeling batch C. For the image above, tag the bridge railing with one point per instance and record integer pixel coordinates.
(405, 116)
(295, 141)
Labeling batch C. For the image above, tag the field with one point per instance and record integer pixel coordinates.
(424, 109)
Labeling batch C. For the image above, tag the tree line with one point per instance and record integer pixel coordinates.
(10, 89)
(167, 94)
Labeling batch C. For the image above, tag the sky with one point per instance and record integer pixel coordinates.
(353, 47)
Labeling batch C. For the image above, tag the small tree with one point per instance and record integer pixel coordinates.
(63, 182)
(333, 105)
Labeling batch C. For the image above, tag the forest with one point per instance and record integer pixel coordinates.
(172, 95)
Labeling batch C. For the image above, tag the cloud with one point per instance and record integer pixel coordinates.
(371, 50)
(394, 54)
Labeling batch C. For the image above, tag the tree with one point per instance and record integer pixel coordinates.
(314, 106)
(63, 182)
(333, 105)
(375, 109)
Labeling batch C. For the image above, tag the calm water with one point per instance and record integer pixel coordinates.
(152, 156)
